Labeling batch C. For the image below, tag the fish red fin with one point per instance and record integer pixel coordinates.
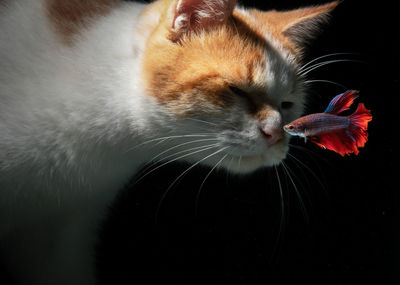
(341, 102)
(347, 140)
(317, 142)
(338, 141)
(359, 124)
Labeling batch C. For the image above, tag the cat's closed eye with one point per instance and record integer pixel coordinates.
(245, 95)
(238, 91)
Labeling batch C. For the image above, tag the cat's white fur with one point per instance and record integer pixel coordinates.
(74, 128)
(65, 116)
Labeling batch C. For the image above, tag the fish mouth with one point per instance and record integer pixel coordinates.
(290, 129)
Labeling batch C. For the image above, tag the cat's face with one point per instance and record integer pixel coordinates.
(231, 77)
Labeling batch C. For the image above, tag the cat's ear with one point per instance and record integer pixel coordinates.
(193, 15)
(301, 25)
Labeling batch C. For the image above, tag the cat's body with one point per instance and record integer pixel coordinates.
(87, 97)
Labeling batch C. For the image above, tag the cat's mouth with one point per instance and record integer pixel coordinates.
(240, 154)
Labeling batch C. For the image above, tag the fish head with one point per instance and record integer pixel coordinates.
(295, 129)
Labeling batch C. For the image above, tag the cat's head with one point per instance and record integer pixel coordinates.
(229, 76)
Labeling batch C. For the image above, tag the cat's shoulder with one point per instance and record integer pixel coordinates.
(69, 17)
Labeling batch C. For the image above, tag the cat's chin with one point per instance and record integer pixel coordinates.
(243, 164)
(248, 164)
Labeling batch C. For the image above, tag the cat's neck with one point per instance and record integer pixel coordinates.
(106, 68)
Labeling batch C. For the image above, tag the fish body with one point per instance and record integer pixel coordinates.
(317, 124)
(342, 134)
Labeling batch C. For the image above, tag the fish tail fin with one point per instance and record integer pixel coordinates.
(361, 117)
(359, 125)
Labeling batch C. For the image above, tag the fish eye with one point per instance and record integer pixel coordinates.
(287, 105)
(291, 127)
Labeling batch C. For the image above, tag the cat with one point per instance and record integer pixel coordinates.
(92, 90)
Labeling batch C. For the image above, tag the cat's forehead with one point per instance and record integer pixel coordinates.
(263, 29)
(243, 54)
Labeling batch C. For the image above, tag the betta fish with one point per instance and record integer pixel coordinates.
(342, 134)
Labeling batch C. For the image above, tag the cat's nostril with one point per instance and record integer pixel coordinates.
(272, 135)
(268, 136)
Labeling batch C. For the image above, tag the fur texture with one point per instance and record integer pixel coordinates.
(90, 91)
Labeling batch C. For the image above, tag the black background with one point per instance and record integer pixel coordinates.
(349, 232)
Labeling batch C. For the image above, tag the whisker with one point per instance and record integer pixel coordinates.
(325, 56)
(310, 170)
(202, 184)
(326, 81)
(282, 221)
(171, 137)
(176, 153)
(303, 173)
(302, 205)
(180, 145)
(227, 172)
(318, 65)
(304, 149)
(181, 175)
(175, 159)
(202, 121)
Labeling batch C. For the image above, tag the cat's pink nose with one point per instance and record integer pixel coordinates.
(272, 135)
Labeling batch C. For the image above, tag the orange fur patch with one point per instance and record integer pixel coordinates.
(197, 68)
(68, 17)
